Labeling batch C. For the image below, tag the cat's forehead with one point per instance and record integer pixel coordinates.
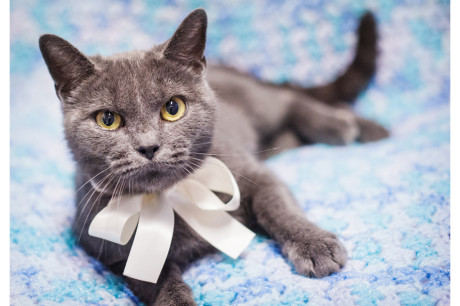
(128, 66)
(141, 65)
(146, 72)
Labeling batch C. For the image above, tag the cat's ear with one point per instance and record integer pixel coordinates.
(67, 66)
(187, 44)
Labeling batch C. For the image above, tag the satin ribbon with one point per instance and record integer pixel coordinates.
(192, 199)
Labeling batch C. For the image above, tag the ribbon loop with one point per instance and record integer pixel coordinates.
(215, 175)
(205, 199)
(193, 200)
(118, 220)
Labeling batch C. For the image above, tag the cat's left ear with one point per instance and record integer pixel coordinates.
(187, 44)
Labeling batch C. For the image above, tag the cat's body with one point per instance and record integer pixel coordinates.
(237, 118)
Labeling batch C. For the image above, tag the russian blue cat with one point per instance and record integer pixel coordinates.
(138, 122)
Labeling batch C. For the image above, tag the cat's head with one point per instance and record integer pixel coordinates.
(141, 120)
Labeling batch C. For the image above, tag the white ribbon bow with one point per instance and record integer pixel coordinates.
(193, 200)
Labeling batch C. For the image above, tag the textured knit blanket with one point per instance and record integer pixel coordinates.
(388, 202)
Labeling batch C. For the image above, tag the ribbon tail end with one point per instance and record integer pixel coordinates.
(149, 278)
(242, 245)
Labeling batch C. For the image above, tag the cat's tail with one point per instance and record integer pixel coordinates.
(358, 75)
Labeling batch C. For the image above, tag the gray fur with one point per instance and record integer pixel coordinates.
(229, 114)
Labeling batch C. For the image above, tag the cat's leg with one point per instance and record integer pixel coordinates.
(370, 130)
(268, 202)
(174, 291)
(170, 290)
(284, 140)
(315, 121)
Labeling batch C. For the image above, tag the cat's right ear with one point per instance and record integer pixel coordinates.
(67, 66)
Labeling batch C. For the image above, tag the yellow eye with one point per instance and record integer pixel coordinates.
(173, 110)
(108, 120)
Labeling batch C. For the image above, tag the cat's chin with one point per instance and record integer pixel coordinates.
(136, 182)
(132, 189)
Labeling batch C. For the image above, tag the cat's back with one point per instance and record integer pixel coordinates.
(263, 104)
(233, 131)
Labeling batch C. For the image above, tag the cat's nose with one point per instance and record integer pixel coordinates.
(148, 152)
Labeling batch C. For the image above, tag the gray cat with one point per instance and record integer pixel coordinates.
(140, 121)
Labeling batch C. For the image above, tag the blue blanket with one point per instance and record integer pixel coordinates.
(389, 201)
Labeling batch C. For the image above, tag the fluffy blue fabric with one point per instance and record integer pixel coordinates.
(387, 201)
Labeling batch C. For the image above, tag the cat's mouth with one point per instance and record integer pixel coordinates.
(152, 177)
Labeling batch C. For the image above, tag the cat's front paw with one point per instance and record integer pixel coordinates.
(320, 254)
(175, 293)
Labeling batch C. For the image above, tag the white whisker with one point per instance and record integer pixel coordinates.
(234, 172)
(91, 179)
(235, 154)
(92, 206)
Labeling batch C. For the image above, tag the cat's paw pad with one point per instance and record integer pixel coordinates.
(318, 256)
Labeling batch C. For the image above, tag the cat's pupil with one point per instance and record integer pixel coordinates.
(108, 118)
(172, 107)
